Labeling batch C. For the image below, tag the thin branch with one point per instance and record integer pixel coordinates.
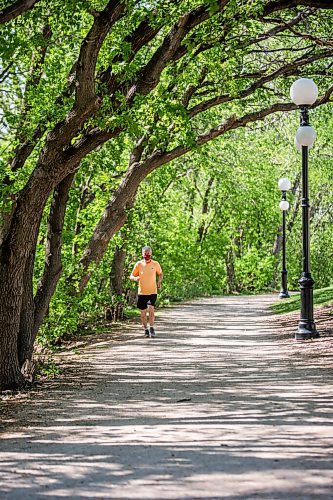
(177, 177)
(286, 70)
(4, 73)
(316, 40)
(159, 158)
(202, 47)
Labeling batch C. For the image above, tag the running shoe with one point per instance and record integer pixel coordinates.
(152, 331)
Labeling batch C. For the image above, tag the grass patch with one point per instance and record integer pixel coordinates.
(320, 297)
(46, 368)
(131, 312)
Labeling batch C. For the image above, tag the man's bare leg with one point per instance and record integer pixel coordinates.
(144, 320)
(151, 312)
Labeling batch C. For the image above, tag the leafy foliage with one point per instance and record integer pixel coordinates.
(211, 216)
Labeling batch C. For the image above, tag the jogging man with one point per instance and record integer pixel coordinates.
(145, 273)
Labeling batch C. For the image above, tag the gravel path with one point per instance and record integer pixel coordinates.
(219, 405)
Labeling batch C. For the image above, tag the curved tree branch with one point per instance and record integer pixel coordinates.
(15, 10)
(150, 74)
(287, 70)
(276, 5)
(90, 48)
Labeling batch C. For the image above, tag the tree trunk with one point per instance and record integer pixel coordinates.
(10, 303)
(15, 304)
(25, 340)
(202, 231)
(230, 268)
(117, 283)
(86, 197)
(17, 247)
(53, 266)
(117, 271)
(16, 250)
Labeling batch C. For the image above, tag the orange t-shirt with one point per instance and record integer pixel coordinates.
(147, 272)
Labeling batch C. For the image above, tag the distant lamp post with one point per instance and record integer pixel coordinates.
(304, 93)
(284, 186)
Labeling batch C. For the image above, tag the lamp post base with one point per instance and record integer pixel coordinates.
(284, 294)
(306, 330)
(306, 326)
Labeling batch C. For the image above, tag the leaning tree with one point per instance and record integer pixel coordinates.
(78, 74)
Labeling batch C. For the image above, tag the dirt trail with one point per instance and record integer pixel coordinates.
(219, 405)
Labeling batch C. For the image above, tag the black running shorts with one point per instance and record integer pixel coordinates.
(145, 300)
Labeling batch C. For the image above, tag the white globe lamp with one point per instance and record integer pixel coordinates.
(304, 92)
(306, 135)
(299, 146)
(284, 205)
(284, 184)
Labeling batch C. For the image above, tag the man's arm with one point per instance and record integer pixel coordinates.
(159, 281)
(135, 276)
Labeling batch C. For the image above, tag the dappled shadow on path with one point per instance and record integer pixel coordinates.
(215, 407)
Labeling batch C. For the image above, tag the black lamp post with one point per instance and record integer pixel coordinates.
(284, 186)
(304, 92)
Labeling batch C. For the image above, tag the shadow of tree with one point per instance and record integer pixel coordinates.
(220, 405)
